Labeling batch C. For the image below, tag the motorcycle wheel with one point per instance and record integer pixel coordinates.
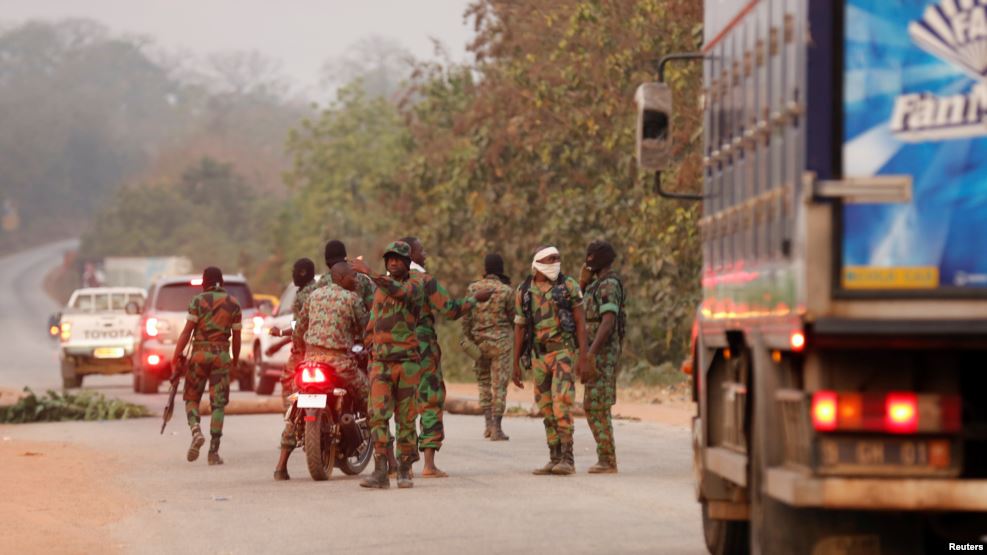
(319, 456)
(351, 466)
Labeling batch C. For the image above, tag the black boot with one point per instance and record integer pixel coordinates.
(488, 431)
(214, 458)
(497, 434)
(555, 457)
(404, 472)
(568, 464)
(378, 479)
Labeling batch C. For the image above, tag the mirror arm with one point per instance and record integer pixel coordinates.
(661, 79)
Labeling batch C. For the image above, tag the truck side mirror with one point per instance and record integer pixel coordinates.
(654, 112)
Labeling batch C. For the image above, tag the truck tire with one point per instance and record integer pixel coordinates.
(245, 377)
(723, 537)
(148, 384)
(70, 380)
(137, 380)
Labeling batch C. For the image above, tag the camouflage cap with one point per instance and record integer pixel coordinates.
(399, 248)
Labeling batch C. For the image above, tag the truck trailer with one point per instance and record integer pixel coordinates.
(840, 351)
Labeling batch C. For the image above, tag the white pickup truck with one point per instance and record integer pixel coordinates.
(97, 332)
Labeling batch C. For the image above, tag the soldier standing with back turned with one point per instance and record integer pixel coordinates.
(489, 327)
(604, 297)
(214, 317)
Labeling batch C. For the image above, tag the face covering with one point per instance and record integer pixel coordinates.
(418, 267)
(551, 271)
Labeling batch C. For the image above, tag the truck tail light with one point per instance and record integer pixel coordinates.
(797, 341)
(151, 327)
(66, 332)
(153, 360)
(898, 412)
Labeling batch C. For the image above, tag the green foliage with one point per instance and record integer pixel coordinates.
(56, 407)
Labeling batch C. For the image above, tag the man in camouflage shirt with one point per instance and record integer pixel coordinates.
(431, 386)
(489, 327)
(604, 305)
(395, 369)
(303, 276)
(549, 317)
(335, 253)
(214, 317)
(332, 320)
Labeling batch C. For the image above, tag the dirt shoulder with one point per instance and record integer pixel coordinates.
(58, 498)
(672, 407)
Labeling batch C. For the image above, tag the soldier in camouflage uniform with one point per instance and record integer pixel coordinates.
(395, 369)
(303, 276)
(335, 253)
(431, 387)
(604, 305)
(332, 320)
(549, 319)
(489, 327)
(214, 317)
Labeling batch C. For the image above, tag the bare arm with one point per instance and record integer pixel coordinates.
(236, 347)
(518, 344)
(603, 333)
(183, 340)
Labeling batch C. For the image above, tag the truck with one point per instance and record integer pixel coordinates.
(838, 360)
(96, 332)
(141, 271)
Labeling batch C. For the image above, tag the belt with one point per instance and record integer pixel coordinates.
(317, 350)
(214, 346)
(552, 347)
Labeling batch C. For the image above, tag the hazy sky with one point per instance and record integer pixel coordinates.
(302, 34)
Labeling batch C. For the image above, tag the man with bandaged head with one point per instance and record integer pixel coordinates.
(214, 317)
(550, 331)
(604, 299)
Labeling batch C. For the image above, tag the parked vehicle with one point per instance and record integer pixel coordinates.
(164, 317)
(839, 345)
(336, 432)
(96, 332)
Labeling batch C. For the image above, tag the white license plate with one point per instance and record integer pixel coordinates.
(311, 401)
(108, 352)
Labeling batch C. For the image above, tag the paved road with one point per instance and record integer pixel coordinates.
(491, 504)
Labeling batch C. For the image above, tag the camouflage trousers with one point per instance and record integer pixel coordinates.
(346, 370)
(554, 392)
(431, 399)
(493, 372)
(288, 376)
(208, 365)
(599, 396)
(393, 392)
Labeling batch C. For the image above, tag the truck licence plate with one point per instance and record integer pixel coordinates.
(306, 401)
(877, 455)
(108, 352)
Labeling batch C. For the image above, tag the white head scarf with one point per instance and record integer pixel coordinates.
(551, 271)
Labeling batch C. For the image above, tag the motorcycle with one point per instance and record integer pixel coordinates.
(335, 432)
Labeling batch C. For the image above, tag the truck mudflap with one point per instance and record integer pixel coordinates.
(800, 489)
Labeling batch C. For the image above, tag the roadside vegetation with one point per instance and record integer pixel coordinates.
(56, 407)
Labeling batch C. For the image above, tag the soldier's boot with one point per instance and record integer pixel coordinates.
(392, 461)
(568, 464)
(281, 470)
(604, 465)
(488, 418)
(198, 440)
(555, 457)
(497, 434)
(404, 472)
(379, 479)
(214, 458)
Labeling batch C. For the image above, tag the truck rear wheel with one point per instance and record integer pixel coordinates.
(148, 384)
(246, 377)
(723, 537)
(265, 385)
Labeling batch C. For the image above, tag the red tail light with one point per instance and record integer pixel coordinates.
(901, 413)
(313, 374)
(153, 360)
(151, 327)
(797, 341)
(824, 411)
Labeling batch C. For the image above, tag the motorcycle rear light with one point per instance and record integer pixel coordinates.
(153, 360)
(310, 418)
(151, 327)
(313, 374)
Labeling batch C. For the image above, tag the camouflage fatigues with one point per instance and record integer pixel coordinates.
(332, 321)
(215, 314)
(297, 342)
(395, 370)
(431, 386)
(364, 288)
(491, 327)
(554, 355)
(603, 295)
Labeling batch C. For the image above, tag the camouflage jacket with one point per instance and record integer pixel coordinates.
(332, 318)
(492, 321)
(604, 295)
(548, 328)
(394, 317)
(437, 301)
(216, 314)
(364, 288)
(297, 337)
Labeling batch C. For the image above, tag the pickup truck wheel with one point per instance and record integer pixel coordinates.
(148, 385)
(70, 380)
(137, 381)
(723, 537)
(246, 379)
(265, 385)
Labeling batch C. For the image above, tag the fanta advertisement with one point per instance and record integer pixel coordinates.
(915, 103)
